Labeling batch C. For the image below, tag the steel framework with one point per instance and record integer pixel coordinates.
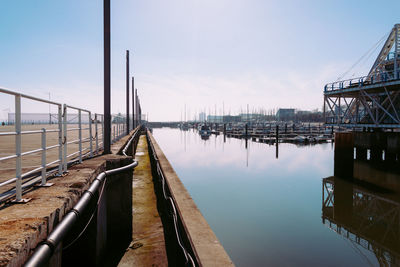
(372, 100)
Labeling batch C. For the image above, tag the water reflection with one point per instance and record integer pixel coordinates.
(367, 215)
(266, 211)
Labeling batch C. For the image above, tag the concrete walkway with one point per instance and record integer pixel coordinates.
(148, 245)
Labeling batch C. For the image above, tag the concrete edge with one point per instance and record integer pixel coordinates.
(206, 246)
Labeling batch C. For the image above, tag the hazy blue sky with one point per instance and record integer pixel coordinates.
(263, 53)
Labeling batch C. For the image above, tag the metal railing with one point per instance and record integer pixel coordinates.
(70, 148)
(118, 127)
(362, 81)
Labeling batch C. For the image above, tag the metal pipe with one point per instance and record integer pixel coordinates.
(46, 249)
(6, 91)
(60, 140)
(18, 168)
(90, 134)
(107, 77)
(65, 138)
(43, 157)
(97, 133)
(80, 135)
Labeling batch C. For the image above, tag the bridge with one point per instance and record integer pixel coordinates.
(372, 100)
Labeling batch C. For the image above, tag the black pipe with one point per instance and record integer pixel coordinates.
(44, 251)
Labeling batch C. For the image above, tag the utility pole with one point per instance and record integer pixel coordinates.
(127, 92)
(107, 77)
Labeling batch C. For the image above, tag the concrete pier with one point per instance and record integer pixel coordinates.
(23, 226)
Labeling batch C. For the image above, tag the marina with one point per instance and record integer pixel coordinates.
(281, 156)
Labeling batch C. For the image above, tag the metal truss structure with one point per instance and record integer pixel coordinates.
(372, 222)
(372, 100)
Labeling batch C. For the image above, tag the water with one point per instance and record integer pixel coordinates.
(265, 210)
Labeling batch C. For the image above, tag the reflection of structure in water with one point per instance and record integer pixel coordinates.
(367, 218)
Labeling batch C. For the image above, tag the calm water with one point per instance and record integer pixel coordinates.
(267, 210)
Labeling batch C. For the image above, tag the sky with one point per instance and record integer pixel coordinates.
(210, 55)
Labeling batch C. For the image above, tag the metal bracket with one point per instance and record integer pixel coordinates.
(22, 201)
(44, 185)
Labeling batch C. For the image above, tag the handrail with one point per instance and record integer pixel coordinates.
(363, 80)
(7, 91)
(95, 140)
(46, 249)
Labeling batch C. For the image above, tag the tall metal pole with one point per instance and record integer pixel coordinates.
(133, 102)
(107, 78)
(127, 92)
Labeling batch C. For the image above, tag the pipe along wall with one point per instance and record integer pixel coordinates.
(98, 229)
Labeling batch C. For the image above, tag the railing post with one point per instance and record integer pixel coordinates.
(102, 129)
(80, 134)
(90, 134)
(97, 133)
(65, 138)
(60, 157)
(43, 156)
(18, 167)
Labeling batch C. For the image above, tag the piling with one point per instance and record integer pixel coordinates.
(344, 155)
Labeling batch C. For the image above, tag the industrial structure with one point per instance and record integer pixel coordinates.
(372, 100)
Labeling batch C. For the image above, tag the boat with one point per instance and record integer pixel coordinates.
(300, 139)
(205, 131)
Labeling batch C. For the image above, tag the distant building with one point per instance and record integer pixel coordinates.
(202, 116)
(285, 114)
(249, 116)
(214, 119)
(229, 119)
